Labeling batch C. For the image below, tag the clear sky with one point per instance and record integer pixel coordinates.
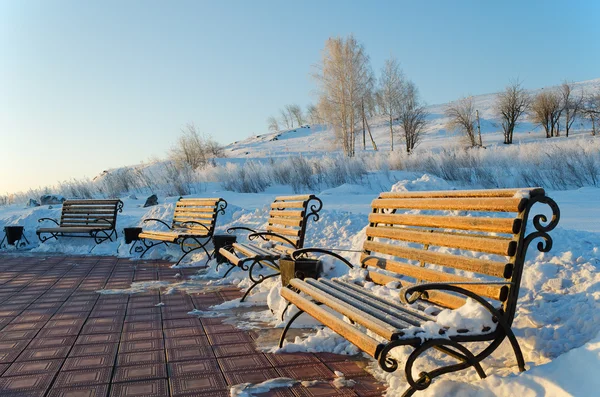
(90, 85)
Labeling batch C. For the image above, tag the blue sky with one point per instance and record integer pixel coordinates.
(86, 86)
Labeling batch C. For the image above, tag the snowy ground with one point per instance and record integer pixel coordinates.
(557, 321)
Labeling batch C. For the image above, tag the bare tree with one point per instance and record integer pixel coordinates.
(390, 93)
(273, 124)
(510, 106)
(342, 78)
(591, 109)
(572, 104)
(546, 109)
(463, 118)
(295, 113)
(285, 118)
(412, 116)
(194, 149)
(313, 114)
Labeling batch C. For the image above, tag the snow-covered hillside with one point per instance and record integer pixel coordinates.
(318, 139)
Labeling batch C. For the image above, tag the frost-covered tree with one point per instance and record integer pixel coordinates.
(412, 116)
(510, 106)
(342, 77)
(546, 109)
(273, 124)
(313, 114)
(296, 113)
(194, 149)
(462, 117)
(572, 105)
(591, 110)
(285, 118)
(389, 95)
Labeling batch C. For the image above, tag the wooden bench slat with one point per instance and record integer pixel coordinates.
(361, 340)
(209, 210)
(203, 215)
(286, 221)
(464, 193)
(482, 266)
(230, 256)
(209, 202)
(495, 225)
(286, 214)
(90, 202)
(288, 204)
(423, 273)
(284, 231)
(483, 204)
(71, 229)
(469, 242)
(440, 298)
(352, 312)
(301, 197)
(183, 219)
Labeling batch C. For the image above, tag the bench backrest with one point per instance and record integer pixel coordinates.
(84, 213)
(288, 217)
(481, 239)
(192, 213)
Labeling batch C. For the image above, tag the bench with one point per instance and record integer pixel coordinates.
(95, 219)
(285, 231)
(192, 227)
(481, 243)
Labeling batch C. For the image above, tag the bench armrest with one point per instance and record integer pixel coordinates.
(410, 294)
(195, 223)
(159, 221)
(233, 229)
(262, 235)
(303, 251)
(49, 219)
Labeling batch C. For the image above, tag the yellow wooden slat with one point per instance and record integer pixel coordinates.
(464, 204)
(535, 191)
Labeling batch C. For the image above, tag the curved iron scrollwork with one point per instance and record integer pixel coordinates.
(303, 251)
(541, 224)
(119, 206)
(263, 236)
(221, 206)
(313, 209)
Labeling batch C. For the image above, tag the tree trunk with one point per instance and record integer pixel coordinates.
(391, 132)
(370, 135)
(363, 123)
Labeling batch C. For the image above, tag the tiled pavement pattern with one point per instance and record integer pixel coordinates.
(58, 337)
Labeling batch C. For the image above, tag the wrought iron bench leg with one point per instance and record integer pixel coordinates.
(256, 280)
(201, 246)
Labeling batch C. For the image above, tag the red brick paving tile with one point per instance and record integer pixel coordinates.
(101, 328)
(349, 368)
(183, 332)
(147, 357)
(104, 320)
(278, 392)
(243, 363)
(144, 311)
(94, 350)
(68, 316)
(59, 332)
(31, 318)
(38, 341)
(142, 326)
(220, 329)
(211, 320)
(189, 353)
(27, 385)
(140, 372)
(97, 338)
(185, 368)
(310, 371)
(332, 357)
(148, 388)
(23, 326)
(3, 368)
(142, 318)
(34, 367)
(176, 315)
(250, 376)
(229, 338)
(237, 349)
(107, 313)
(322, 389)
(186, 341)
(72, 322)
(368, 387)
(44, 353)
(81, 391)
(12, 345)
(89, 362)
(84, 377)
(197, 384)
(141, 346)
(283, 359)
(182, 323)
(141, 335)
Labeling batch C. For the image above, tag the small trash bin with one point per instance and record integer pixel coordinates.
(300, 268)
(220, 241)
(132, 234)
(13, 234)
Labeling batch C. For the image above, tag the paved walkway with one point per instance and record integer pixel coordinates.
(58, 337)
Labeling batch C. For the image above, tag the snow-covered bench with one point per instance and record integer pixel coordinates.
(192, 227)
(285, 233)
(95, 219)
(447, 250)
